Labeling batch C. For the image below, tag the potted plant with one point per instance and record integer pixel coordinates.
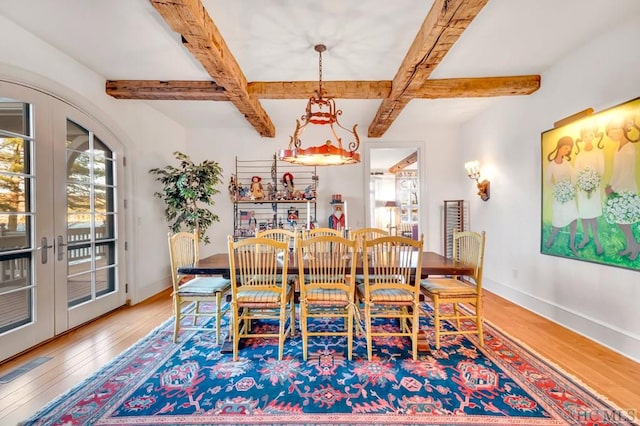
(187, 192)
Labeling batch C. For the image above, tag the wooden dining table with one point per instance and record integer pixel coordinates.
(432, 264)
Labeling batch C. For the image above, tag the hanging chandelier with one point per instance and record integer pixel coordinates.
(322, 112)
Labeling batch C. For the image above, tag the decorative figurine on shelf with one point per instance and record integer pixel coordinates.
(243, 192)
(289, 187)
(271, 192)
(252, 223)
(233, 188)
(309, 193)
(336, 220)
(292, 217)
(257, 193)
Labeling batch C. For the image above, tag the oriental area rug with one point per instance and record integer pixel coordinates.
(158, 382)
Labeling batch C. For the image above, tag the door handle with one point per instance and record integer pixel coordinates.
(44, 247)
(60, 245)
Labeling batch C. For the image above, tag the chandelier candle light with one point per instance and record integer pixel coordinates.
(473, 171)
(322, 111)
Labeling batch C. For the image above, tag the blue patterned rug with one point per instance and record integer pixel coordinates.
(157, 382)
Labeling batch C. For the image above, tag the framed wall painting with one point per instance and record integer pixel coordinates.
(591, 188)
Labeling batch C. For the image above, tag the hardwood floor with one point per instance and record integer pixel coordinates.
(84, 350)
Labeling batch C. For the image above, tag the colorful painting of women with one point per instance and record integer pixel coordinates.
(623, 203)
(591, 188)
(589, 166)
(560, 176)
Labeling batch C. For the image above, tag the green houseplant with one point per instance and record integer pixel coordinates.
(187, 192)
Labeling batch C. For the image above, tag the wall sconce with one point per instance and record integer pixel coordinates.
(473, 171)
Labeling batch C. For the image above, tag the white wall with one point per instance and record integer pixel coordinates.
(142, 130)
(594, 300)
(440, 181)
(150, 138)
(597, 301)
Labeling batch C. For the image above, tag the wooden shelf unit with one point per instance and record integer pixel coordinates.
(281, 206)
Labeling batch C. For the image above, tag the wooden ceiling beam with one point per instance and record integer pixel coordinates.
(166, 90)
(404, 163)
(478, 87)
(442, 27)
(431, 89)
(202, 38)
(332, 89)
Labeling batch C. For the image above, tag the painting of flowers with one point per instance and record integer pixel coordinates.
(591, 188)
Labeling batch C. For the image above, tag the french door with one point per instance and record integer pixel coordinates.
(61, 254)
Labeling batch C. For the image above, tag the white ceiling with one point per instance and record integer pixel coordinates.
(273, 41)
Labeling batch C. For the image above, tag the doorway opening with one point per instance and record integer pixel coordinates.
(394, 190)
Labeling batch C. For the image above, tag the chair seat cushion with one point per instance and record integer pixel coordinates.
(202, 286)
(257, 297)
(391, 295)
(326, 295)
(387, 295)
(446, 286)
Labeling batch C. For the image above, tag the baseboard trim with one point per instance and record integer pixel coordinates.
(607, 335)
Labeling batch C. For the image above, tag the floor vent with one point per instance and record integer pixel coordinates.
(12, 375)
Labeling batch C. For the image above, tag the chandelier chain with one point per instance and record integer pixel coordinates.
(332, 151)
(320, 75)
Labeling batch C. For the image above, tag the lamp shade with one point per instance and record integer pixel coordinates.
(390, 204)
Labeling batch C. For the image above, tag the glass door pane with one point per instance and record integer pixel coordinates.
(91, 258)
(16, 285)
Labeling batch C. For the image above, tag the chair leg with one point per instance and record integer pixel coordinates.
(282, 331)
(367, 326)
(349, 329)
(479, 315)
(303, 328)
(414, 330)
(176, 311)
(456, 311)
(218, 316)
(436, 320)
(195, 313)
(292, 314)
(236, 338)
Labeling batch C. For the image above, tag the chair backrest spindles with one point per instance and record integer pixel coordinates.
(183, 251)
(468, 248)
(317, 232)
(326, 260)
(393, 259)
(258, 262)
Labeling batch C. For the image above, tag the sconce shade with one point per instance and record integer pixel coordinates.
(473, 171)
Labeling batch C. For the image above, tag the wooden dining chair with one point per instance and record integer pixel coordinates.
(184, 252)
(317, 232)
(260, 290)
(468, 248)
(369, 233)
(278, 234)
(391, 288)
(327, 266)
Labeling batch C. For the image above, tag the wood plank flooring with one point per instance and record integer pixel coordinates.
(84, 350)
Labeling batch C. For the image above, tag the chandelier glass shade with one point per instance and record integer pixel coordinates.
(322, 112)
